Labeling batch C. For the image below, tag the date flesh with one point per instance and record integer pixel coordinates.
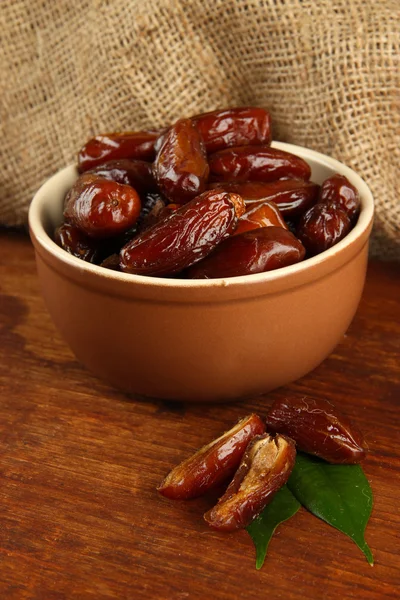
(256, 163)
(260, 215)
(222, 129)
(101, 208)
(181, 168)
(318, 428)
(321, 227)
(136, 173)
(184, 237)
(339, 191)
(72, 240)
(251, 252)
(292, 196)
(264, 469)
(115, 146)
(214, 463)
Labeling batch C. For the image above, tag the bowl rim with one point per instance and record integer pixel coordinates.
(39, 234)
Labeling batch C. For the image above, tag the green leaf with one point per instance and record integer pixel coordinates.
(337, 494)
(283, 506)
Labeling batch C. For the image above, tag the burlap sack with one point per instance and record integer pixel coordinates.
(328, 70)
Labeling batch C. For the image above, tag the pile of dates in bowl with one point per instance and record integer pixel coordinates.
(204, 198)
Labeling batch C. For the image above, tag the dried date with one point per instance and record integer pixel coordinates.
(136, 173)
(251, 252)
(256, 163)
(261, 215)
(184, 237)
(264, 469)
(101, 208)
(72, 240)
(318, 428)
(241, 126)
(214, 463)
(321, 227)
(181, 168)
(339, 191)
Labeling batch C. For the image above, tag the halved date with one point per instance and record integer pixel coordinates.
(256, 163)
(214, 463)
(101, 208)
(265, 468)
(251, 252)
(136, 173)
(260, 215)
(234, 127)
(181, 167)
(339, 191)
(184, 237)
(318, 428)
(75, 242)
(322, 226)
(114, 146)
(293, 196)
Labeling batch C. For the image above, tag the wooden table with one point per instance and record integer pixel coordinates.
(80, 515)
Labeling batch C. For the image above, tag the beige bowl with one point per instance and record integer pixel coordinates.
(206, 340)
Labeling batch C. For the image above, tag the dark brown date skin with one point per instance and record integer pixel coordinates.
(293, 196)
(101, 208)
(251, 252)
(72, 240)
(213, 464)
(241, 126)
(256, 163)
(265, 468)
(137, 145)
(318, 428)
(338, 190)
(181, 168)
(184, 237)
(321, 227)
(260, 215)
(136, 173)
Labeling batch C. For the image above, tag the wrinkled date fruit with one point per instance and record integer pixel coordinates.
(212, 464)
(136, 173)
(338, 190)
(256, 163)
(114, 146)
(111, 262)
(318, 428)
(101, 208)
(251, 252)
(321, 227)
(184, 237)
(73, 241)
(265, 468)
(234, 127)
(293, 196)
(181, 167)
(261, 215)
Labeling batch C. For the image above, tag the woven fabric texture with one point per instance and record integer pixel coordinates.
(328, 71)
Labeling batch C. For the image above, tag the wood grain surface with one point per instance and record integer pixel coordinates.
(79, 513)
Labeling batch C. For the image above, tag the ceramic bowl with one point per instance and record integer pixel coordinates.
(206, 340)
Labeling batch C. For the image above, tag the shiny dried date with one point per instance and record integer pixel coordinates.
(321, 227)
(241, 126)
(293, 196)
(256, 163)
(260, 215)
(214, 463)
(339, 191)
(72, 240)
(114, 146)
(251, 252)
(318, 428)
(101, 208)
(181, 168)
(184, 237)
(264, 469)
(136, 173)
